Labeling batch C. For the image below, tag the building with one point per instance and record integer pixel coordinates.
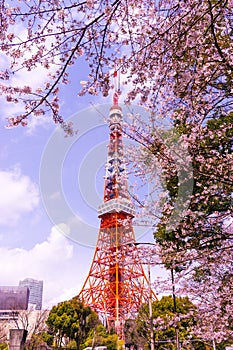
(14, 297)
(36, 292)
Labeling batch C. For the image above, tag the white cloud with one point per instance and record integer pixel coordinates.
(66, 293)
(61, 247)
(50, 261)
(19, 195)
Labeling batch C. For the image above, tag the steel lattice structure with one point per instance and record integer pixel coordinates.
(116, 284)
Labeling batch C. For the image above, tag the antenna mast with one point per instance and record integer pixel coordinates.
(116, 93)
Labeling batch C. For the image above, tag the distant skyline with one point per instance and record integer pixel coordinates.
(35, 292)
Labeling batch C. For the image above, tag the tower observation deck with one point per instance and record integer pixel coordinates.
(116, 285)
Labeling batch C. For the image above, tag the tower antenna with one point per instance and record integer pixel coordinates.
(117, 90)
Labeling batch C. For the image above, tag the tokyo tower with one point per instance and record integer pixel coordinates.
(116, 285)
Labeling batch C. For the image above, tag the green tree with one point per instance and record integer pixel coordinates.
(3, 346)
(202, 226)
(101, 337)
(71, 320)
(47, 338)
(201, 240)
(165, 321)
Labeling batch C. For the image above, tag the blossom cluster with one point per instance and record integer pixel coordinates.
(175, 58)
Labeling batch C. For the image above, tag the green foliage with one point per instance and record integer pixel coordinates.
(71, 344)
(47, 338)
(164, 322)
(212, 187)
(3, 346)
(101, 337)
(71, 320)
(111, 341)
(172, 185)
(215, 143)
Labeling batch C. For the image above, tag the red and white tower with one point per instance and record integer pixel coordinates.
(116, 285)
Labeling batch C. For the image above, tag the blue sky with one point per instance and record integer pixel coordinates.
(50, 189)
